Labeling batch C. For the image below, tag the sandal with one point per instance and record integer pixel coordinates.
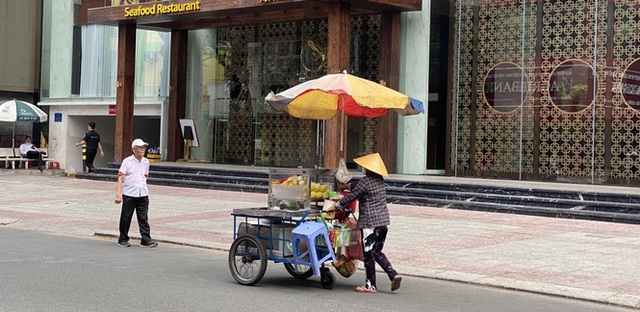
(395, 282)
(364, 289)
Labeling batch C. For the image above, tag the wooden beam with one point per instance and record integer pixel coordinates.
(266, 17)
(391, 5)
(81, 16)
(389, 66)
(242, 12)
(337, 60)
(177, 94)
(206, 8)
(125, 91)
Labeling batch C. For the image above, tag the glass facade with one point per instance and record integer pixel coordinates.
(231, 70)
(97, 57)
(545, 90)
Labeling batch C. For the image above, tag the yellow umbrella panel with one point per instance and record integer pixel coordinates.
(314, 104)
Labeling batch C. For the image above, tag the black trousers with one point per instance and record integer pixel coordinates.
(35, 155)
(90, 155)
(141, 206)
(372, 244)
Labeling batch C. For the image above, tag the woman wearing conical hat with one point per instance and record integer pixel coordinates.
(373, 220)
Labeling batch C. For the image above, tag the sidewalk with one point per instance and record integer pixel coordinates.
(588, 260)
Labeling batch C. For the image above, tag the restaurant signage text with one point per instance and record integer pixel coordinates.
(160, 8)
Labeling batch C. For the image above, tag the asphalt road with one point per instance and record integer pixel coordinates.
(46, 272)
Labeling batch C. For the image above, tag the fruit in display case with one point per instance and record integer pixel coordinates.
(319, 191)
(292, 180)
(289, 204)
(291, 187)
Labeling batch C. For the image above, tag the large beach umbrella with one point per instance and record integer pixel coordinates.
(16, 110)
(324, 97)
(353, 96)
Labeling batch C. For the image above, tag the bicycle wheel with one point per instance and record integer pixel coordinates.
(247, 259)
(299, 271)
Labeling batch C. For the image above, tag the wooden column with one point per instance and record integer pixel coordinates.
(125, 91)
(389, 66)
(339, 25)
(177, 94)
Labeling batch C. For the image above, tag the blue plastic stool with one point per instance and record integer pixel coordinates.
(316, 255)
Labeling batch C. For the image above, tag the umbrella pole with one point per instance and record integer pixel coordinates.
(13, 136)
(341, 133)
(343, 150)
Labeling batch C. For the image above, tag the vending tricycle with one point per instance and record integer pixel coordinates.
(290, 230)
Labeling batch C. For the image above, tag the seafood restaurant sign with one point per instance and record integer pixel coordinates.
(160, 8)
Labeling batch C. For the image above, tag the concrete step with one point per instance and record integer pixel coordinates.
(545, 200)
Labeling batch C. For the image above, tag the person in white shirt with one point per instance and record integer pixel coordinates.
(27, 149)
(132, 192)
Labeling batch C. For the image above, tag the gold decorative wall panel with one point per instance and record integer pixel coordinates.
(285, 141)
(625, 108)
(569, 89)
(241, 134)
(504, 66)
(364, 61)
(462, 97)
(546, 88)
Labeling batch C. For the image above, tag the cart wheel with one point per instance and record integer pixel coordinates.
(299, 271)
(327, 279)
(247, 259)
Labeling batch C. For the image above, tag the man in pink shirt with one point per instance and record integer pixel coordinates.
(132, 192)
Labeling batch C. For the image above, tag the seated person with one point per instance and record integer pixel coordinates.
(28, 150)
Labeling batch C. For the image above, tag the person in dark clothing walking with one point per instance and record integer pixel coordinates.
(373, 220)
(92, 141)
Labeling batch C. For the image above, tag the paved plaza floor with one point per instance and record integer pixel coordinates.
(590, 260)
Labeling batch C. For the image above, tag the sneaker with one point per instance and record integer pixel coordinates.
(149, 244)
(364, 289)
(123, 244)
(395, 282)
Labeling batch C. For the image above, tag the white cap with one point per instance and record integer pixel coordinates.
(138, 142)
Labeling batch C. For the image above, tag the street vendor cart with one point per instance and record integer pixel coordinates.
(290, 230)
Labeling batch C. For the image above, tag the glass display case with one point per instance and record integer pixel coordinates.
(296, 188)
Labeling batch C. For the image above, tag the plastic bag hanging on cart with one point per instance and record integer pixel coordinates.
(342, 174)
(355, 252)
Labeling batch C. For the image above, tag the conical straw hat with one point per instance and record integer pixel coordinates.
(373, 162)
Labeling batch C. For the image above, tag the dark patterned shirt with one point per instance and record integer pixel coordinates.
(372, 198)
